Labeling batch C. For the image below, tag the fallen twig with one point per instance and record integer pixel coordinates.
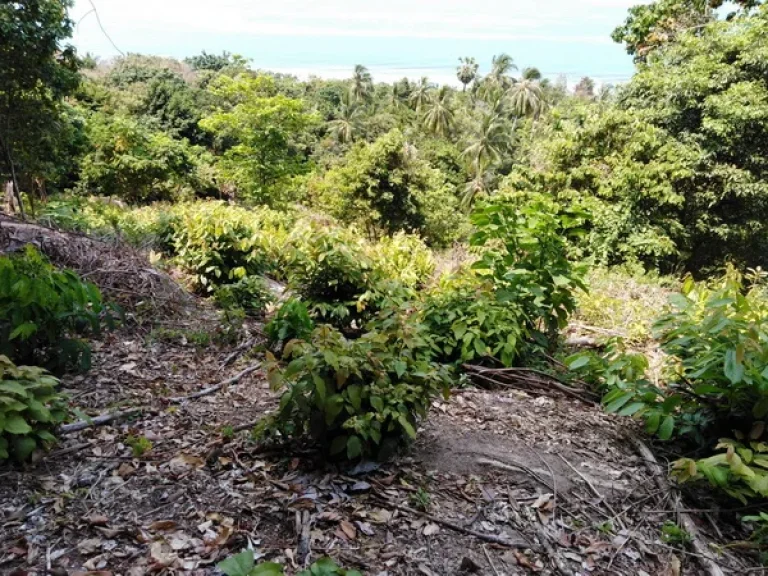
(237, 352)
(501, 541)
(595, 491)
(217, 387)
(490, 562)
(703, 552)
(97, 421)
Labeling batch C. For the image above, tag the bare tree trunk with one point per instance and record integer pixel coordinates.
(14, 180)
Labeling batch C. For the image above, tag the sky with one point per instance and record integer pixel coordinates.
(393, 38)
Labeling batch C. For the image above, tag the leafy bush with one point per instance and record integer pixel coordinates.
(740, 471)
(42, 310)
(251, 293)
(291, 322)
(244, 564)
(524, 256)
(133, 162)
(330, 270)
(30, 408)
(469, 324)
(403, 257)
(357, 398)
(220, 243)
(385, 187)
(716, 358)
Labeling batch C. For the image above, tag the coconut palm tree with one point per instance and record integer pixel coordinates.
(531, 74)
(421, 93)
(467, 71)
(501, 66)
(362, 84)
(438, 118)
(478, 185)
(488, 142)
(347, 121)
(526, 98)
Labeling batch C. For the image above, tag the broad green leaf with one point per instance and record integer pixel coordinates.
(407, 426)
(666, 428)
(16, 424)
(14, 388)
(734, 370)
(577, 361)
(616, 404)
(354, 447)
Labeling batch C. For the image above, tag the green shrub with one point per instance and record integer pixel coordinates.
(291, 322)
(132, 161)
(30, 408)
(740, 470)
(469, 324)
(251, 293)
(714, 338)
(216, 247)
(403, 257)
(357, 398)
(330, 270)
(244, 564)
(42, 311)
(524, 256)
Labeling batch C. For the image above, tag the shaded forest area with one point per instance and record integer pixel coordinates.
(256, 325)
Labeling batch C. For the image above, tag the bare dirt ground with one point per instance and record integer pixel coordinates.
(499, 482)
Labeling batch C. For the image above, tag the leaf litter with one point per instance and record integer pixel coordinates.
(553, 477)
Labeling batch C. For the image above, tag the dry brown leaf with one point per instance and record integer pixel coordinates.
(97, 520)
(162, 525)
(381, 516)
(348, 529)
(524, 561)
(185, 462)
(125, 470)
(89, 546)
(328, 516)
(431, 529)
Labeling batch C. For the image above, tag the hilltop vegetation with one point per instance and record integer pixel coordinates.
(420, 235)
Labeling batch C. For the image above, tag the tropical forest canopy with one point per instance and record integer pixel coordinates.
(668, 171)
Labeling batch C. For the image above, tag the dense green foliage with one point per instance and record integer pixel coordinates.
(360, 397)
(250, 293)
(290, 322)
(43, 311)
(673, 173)
(30, 408)
(36, 71)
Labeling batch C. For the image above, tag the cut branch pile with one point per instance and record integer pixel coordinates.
(526, 379)
(122, 273)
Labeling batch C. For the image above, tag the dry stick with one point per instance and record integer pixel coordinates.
(217, 387)
(539, 383)
(595, 491)
(488, 557)
(450, 525)
(97, 421)
(703, 553)
(250, 343)
(303, 536)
